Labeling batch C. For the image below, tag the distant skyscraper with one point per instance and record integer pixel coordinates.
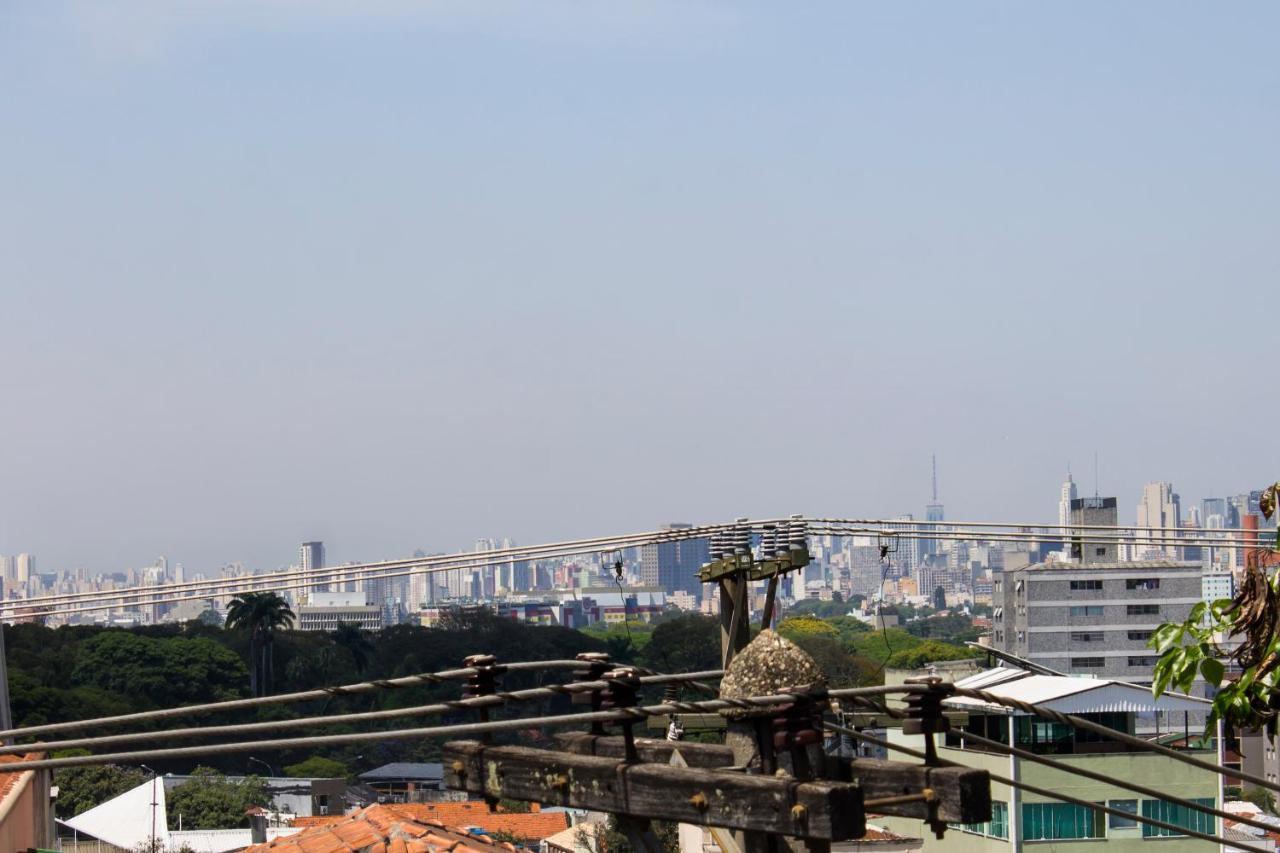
(1064, 501)
(24, 569)
(932, 512)
(310, 557)
(1159, 508)
(6, 569)
(674, 566)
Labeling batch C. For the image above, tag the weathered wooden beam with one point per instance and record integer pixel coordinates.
(650, 749)
(963, 794)
(819, 810)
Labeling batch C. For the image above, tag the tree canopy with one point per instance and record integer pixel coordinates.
(209, 800)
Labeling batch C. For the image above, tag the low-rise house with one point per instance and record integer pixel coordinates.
(1019, 817)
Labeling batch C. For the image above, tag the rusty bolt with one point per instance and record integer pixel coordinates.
(799, 812)
(458, 767)
(559, 781)
(699, 801)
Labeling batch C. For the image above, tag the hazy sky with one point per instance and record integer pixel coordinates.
(426, 271)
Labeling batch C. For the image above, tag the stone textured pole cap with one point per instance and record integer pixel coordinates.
(769, 664)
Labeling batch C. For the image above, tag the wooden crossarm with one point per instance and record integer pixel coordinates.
(820, 810)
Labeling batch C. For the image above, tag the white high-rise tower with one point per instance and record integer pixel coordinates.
(1064, 502)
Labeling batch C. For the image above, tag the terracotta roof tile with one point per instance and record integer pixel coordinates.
(531, 825)
(380, 829)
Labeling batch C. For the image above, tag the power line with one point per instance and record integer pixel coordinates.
(1123, 737)
(853, 694)
(1102, 777)
(492, 700)
(155, 595)
(441, 677)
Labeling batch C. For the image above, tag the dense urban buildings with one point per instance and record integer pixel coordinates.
(673, 566)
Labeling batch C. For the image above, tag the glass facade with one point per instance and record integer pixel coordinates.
(1177, 815)
(1061, 821)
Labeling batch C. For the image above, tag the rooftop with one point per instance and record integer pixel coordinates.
(1069, 694)
(405, 770)
(383, 829)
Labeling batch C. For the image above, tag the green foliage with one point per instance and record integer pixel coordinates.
(953, 628)
(353, 639)
(513, 806)
(172, 671)
(928, 652)
(687, 643)
(210, 801)
(795, 627)
(82, 788)
(823, 609)
(316, 767)
(879, 646)
(261, 614)
(1260, 797)
(1188, 648)
(841, 667)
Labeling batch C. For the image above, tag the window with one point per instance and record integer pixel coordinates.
(999, 635)
(1022, 636)
(1081, 585)
(1088, 663)
(1117, 822)
(1049, 821)
(1143, 660)
(1140, 635)
(1099, 552)
(1087, 610)
(1177, 815)
(997, 827)
(1017, 587)
(1142, 583)
(1086, 636)
(1143, 609)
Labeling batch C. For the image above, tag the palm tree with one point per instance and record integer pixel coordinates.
(261, 613)
(350, 637)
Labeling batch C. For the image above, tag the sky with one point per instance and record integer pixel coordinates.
(398, 275)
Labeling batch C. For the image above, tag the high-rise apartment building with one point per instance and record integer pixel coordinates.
(674, 566)
(24, 569)
(1092, 619)
(1091, 511)
(310, 557)
(1159, 508)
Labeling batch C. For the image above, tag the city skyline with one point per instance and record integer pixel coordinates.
(508, 269)
(315, 552)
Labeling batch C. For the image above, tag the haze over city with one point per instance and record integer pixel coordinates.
(411, 275)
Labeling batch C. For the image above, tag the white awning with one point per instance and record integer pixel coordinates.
(128, 820)
(1070, 695)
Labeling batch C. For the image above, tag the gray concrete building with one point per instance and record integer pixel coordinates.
(1091, 619)
(1092, 511)
(674, 566)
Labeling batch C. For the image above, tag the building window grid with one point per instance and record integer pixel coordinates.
(1142, 610)
(1142, 583)
(1079, 586)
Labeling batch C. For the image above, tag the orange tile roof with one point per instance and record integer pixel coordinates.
(306, 822)
(382, 829)
(9, 780)
(530, 825)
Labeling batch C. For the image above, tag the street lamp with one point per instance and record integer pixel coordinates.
(154, 803)
(270, 772)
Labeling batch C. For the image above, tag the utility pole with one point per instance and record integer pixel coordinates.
(6, 714)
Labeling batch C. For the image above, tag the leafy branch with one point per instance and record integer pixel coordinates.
(1250, 699)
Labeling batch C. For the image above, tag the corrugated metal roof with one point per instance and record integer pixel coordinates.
(1072, 695)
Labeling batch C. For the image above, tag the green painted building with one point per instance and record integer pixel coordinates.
(1021, 820)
